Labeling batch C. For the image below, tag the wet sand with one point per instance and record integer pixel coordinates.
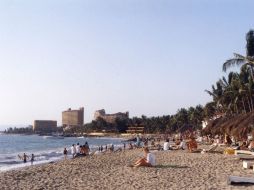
(174, 170)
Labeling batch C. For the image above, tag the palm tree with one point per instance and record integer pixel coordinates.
(250, 43)
(238, 59)
(218, 95)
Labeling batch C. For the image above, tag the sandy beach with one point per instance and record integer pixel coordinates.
(174, 170)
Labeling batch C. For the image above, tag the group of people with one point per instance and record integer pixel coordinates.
(25, 158)
(107, 147)
(77, 150)
(181, 144)
(229, 141)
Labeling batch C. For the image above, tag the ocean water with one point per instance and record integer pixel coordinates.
(45, 150)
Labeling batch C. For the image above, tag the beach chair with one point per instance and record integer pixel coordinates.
(211, 149)
(245, 157)
(244, 152)
(248, 164)
(235, 180)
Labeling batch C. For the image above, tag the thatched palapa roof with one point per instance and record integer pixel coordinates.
(238, 126)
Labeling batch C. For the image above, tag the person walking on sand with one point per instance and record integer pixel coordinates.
(65, 153)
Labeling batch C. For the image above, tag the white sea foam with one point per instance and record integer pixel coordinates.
(45, 150)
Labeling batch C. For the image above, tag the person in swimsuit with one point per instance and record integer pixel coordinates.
(65, 153)
(24, 157)
(192, 145)
(32, 159)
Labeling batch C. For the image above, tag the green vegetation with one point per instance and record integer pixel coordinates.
(234, 95)
(22, 130)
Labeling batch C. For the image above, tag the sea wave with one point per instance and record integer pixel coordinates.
(44, 150)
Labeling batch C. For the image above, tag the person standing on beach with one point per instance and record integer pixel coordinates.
(73, 150)
(77, 149)
(137, 141)
(65, 153)
(86, 148)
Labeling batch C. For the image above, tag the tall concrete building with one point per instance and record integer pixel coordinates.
(44, 126)
(73, 118)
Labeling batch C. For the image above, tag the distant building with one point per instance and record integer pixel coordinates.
(73, 118)
(136, 129)
(44, 126)
(110, 118)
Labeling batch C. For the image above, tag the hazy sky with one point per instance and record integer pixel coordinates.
(148, 57)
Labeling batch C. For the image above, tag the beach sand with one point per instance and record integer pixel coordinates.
(174, 170)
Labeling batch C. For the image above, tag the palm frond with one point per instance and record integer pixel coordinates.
(237, 55)
(248, 59)
(225, 81)
(210, 93)
(232, 62)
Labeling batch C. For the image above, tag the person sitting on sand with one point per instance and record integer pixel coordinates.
(84, 150)
(130, 146)
(148, 160)
(192, 145)
(182, 145)
(152, 143)
(228, 140)
(177, 142)
(244, 146)
(166, 145)
(251, 146)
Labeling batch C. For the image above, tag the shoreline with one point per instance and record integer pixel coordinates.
(45, 150)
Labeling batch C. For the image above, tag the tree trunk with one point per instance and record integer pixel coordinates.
(248, 101)
(244, 108)
(236, 108)
(251, 101)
